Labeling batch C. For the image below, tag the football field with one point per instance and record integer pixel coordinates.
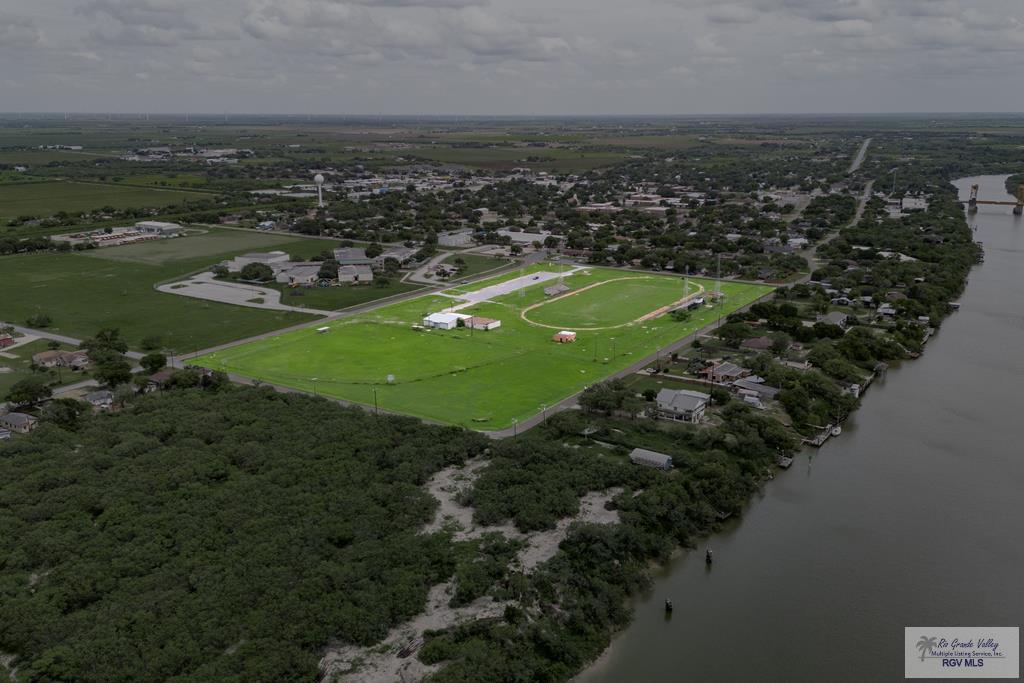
(489, 379)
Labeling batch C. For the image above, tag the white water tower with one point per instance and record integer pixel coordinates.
(319, 180)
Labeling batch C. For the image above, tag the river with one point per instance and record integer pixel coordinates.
(913, 517)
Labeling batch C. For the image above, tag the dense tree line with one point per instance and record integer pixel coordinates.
(221, 536)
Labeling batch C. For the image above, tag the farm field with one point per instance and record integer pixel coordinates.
(47, 198)
(483, 380)
(113, 287)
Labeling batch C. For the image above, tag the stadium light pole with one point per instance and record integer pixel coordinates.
(376, 408)
(314, 386)
(544, 412)
(515, 428)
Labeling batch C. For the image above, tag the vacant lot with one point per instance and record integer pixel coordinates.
(482, 380)
(47, 198)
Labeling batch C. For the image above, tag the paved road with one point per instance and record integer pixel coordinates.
(861, 153)
(812, 254)
(134, 355)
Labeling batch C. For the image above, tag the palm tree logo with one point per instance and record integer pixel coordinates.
(925, 645)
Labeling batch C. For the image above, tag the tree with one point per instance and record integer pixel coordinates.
(66, 413)
(374, 250)
(153, 362)
(780, 342)
(112, 372)
(39, 320)
(719, 396)
(733, 333)
(681, 315)
(151, 342)
(328, 270)
(107, 339)
(259, 272)
(516, 249)
(28, 391)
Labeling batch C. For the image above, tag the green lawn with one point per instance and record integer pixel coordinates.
(476, 263)
(47, 198)
(18, 368)
(482, 380)
(113, 287)
(336, 298)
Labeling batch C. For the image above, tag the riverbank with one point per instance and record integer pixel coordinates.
(899, 521)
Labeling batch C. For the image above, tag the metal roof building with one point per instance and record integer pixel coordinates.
(642, 456)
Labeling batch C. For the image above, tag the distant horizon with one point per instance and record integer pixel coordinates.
(141, 114)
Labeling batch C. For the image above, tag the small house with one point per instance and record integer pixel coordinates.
(755, 386)
(20, 423)
(642, 456)
(564, 337)
(477, 322)
(101, 400)
(6, 340)
(724, 372)
(757, 344)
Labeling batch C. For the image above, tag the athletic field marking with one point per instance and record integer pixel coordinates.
(643, 318)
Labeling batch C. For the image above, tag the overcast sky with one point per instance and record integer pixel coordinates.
(511, 56)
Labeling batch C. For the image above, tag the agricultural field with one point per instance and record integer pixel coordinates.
(47, 198)
(486, 380)
(113, 287)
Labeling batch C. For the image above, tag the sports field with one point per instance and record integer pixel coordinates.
(487, 379)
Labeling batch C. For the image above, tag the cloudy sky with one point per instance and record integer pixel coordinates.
(511, 56)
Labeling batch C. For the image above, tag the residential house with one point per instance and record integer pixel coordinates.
(886, 310)
(755, 386)
(6, 340)
(20, 423)
(101, 400)
(723, 373)
(158, 379)
(642, 456)
(757, 344)
(681, 405)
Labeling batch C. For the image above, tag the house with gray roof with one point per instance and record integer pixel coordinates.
(20, 423)
(723, 372)
(101, 400)
(755, 386)
(681, 405)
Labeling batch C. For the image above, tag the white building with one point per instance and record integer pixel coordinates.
(444, 321)
(274, 259)
(159, 228)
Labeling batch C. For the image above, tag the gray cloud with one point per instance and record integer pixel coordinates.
(512, 56)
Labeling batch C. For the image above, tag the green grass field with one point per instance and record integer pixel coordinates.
(47, 198)
(113, 287)
(482, 380)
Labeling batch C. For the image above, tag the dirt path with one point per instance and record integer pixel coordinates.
(646, 316)
(394, 659)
